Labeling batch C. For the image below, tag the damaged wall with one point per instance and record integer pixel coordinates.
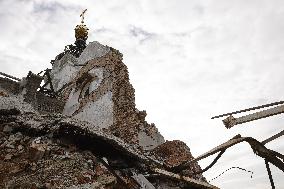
(9, 86)
(66, 68)
(95, 88)
(98, 91)
(53, 151)
(173, 154)
(26, 90)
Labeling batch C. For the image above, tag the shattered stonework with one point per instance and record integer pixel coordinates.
(174, 154)
(55, 151)
(26, 90)
(89, 134)
(98, 90)
(8, 86)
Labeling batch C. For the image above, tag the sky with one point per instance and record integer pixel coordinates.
(188, 60)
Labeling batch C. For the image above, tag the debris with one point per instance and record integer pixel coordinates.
(7, 129)
(81, 128)
(20, 147)
(12, 111)
(50, 155)
(2, 93)
(186, 179)
(8, 157)
(175, 153)
(144, 183)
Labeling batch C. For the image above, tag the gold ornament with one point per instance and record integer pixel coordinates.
(81, 30)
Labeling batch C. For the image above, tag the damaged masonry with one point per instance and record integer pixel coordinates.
(76, 126)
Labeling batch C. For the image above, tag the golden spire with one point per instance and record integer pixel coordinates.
(81, 30)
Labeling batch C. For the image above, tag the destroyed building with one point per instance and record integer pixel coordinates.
(76, 126)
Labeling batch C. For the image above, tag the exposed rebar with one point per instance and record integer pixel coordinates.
(230, 169)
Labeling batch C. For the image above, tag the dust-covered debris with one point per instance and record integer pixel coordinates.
(52, 151)
(77, 126)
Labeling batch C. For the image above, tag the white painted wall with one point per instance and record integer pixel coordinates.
(99, 112)
(150, 142)
(64, 70)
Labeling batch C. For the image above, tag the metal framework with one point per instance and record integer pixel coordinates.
(249, 109)
(47, 87)
(231, 121)
(270, 156)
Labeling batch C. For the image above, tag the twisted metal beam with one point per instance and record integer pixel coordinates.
(257, 147)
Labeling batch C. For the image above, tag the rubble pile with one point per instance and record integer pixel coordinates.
(100, 92)
(8, 86)
(40, 162)
(173, 154)
(77, 126)
(54, 151)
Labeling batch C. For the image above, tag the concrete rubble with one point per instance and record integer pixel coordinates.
(88, 133)
(54, 151)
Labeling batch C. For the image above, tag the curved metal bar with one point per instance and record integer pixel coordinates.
(211, 164)
(230, 169)
(257, 147)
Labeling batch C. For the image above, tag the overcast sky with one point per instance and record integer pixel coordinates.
(188, 61)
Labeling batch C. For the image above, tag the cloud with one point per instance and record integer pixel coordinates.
(140, 33)
(188, 61)
(40, 7)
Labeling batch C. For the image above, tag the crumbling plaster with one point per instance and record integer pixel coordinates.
(99, 92)
(65, 69)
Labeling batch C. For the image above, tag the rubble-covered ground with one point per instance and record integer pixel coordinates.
(77, 126)
(39, 162)
(52, 151)
(33, 156)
